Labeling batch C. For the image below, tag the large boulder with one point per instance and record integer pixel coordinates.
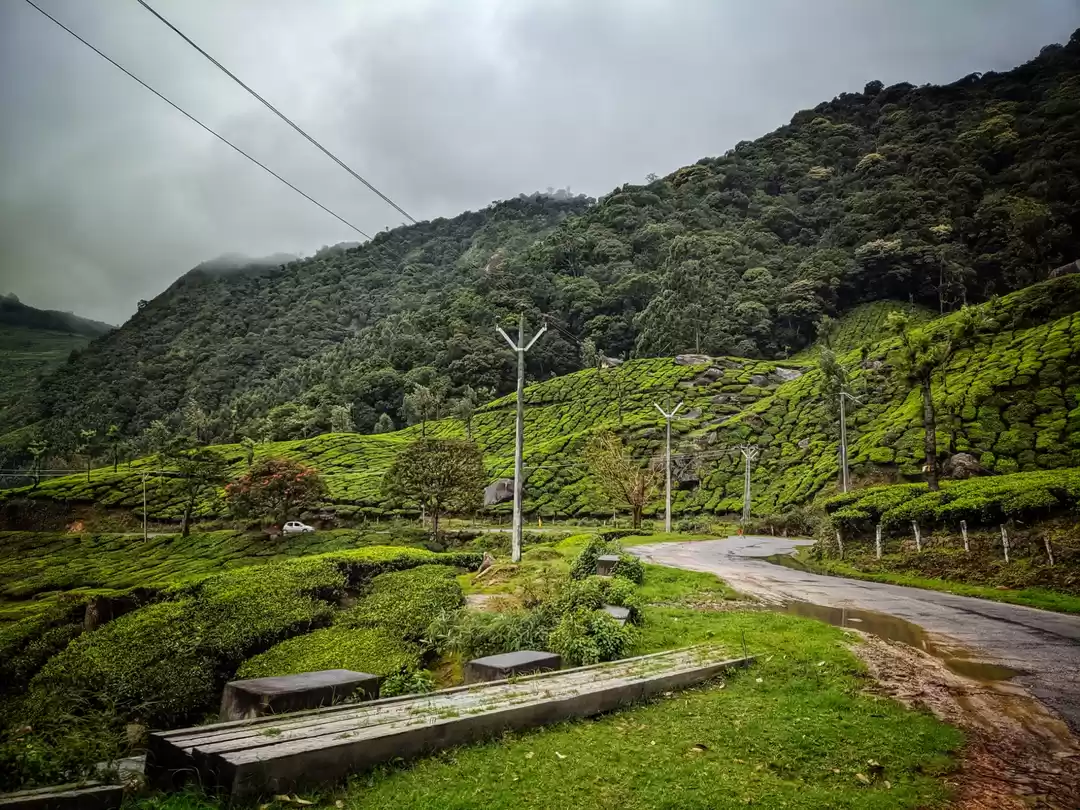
(962, 465)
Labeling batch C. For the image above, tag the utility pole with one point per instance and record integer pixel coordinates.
(519, 443)
(144, 508)
(667, 511)
(845, 483)
(750, 454)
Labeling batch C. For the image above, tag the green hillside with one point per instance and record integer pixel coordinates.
(33, 342)
(864, 325)
(934, 195)
(1011, 398)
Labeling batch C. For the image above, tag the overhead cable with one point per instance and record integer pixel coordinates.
(191, 117)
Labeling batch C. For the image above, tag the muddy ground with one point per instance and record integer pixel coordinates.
(1018, 753)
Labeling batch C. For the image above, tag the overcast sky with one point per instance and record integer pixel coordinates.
(107, 194)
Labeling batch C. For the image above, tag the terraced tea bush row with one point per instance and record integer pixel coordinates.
(978, 501)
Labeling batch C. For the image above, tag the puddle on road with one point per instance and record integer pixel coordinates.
(894, 629)
(891, 628)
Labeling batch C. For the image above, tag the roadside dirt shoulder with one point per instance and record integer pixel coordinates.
(1018, 754)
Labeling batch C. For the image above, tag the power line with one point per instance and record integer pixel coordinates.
(277, 112)
(191, 117)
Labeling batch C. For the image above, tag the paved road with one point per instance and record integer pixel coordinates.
(1043, 647)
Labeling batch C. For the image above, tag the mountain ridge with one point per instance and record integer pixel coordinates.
(934, 195)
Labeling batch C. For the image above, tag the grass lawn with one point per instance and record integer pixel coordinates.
(1031, 597)
(797, 730)
(674, 537)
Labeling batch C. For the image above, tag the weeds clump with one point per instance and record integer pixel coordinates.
(629, 567)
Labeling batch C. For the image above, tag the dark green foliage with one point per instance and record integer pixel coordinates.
(278, 348)
(416, 682)
(362, 650)
(403, 603)
(26, 645)
(587, 637)
(167, 661)
(628, 567)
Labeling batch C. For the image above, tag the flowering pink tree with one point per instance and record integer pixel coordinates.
(275, 488)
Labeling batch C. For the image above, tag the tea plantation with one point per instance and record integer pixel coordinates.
(1009, 397)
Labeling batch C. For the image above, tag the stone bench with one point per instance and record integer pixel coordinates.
(500, 667)
(605, 564)
(243, 700)
(619, 614)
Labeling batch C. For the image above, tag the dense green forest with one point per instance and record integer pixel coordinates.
(934, 195)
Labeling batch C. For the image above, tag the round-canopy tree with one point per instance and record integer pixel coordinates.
(442, 475)
(275, 488)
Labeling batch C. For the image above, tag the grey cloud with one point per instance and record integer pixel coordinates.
(107, 195)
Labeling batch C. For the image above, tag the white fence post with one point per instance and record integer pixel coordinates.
(918, 535)
(963, 531)
(1005, 541)
(840, 542)
(877, 541)
(1049, 551)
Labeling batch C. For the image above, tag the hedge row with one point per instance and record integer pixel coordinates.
(984, 501)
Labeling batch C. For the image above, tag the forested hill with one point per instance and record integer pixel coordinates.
(16, 315)
(933, 195)
(32, 342)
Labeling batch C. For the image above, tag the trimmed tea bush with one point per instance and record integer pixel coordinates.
(980, 501)
(361, 650)
(403, 603)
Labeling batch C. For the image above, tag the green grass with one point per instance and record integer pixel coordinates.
(1042, 598)
(678, 537)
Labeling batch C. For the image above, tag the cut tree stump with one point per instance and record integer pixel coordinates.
(500, 667)
(285, 753)
(291, 693)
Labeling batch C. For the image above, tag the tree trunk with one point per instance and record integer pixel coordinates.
(88, 469)
(185, 525)
(435, 521)
(930, 437)
(636, 513)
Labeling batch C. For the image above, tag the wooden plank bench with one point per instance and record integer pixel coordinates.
(281, 753)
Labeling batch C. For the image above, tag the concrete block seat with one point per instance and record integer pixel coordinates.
(605, 564)
(498, 667)
(619, 614)
(291, 693)
(288, 752)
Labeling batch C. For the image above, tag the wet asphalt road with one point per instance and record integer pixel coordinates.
(1043, 647)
